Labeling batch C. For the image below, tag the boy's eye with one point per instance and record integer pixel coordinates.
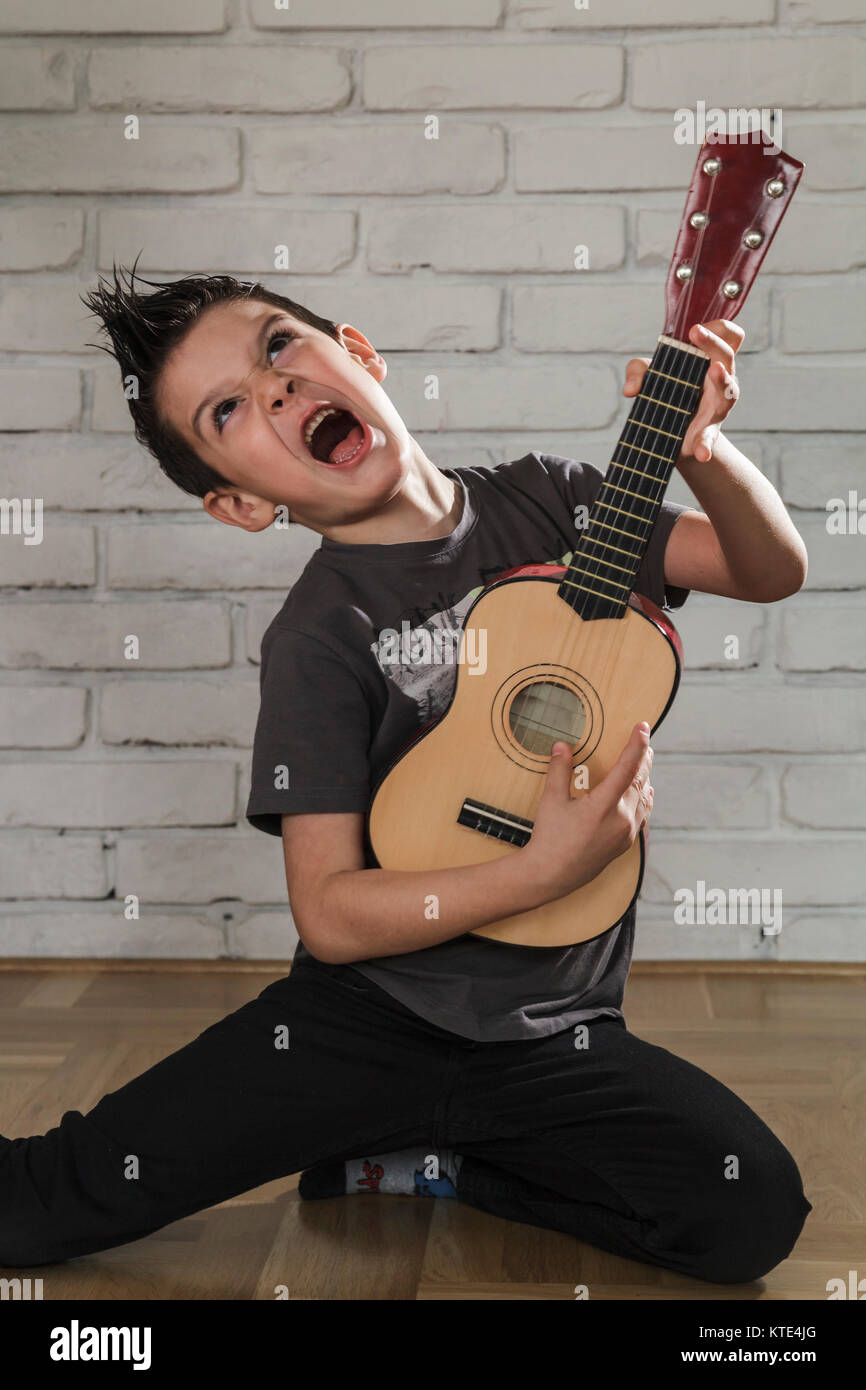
(282, 335)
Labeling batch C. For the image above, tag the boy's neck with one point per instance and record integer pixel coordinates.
(428, 507)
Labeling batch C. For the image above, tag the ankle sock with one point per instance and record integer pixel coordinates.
(420, 1172)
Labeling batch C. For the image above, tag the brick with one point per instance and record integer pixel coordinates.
(668, 940)
(170, 712)
(830, 873)
(737, 717)
(42, 716)
(109, 410)
(267, 936)
(809, 241)
(609, 318)
(705, 624)
(173, 634)
(824, 11)
(739, 795)
(208, 555)
(114, 17)
(85, 472)
(76, 794)
(376, 14)
(36, 319)
(830, 936)
(471, 77)
(40, 398)
(834, 156)
(107, 935)
(812, 472)
(818, 317)
(588, 159)
(804, 72)
(40, 237)
(256, 619)
(820, 638)
(633, 14)
(64, 157)
(201, 868)
(219, 78)
(65, 559)
(835, 561)
(36, 79)
(412, 317)
(468, 157)
(800, 398)
(52, 866)
(544, 394)
(494, 237)
(824, 795)
(233, 240)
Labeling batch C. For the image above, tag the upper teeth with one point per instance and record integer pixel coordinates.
(316, 420)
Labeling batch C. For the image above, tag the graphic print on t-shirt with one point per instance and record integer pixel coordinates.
(421, 656)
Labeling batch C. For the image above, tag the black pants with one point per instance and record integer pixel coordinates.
(619, 1142)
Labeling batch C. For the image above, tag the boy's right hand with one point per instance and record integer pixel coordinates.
(573, 838)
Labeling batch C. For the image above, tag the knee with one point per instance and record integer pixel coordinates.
(760, 1228)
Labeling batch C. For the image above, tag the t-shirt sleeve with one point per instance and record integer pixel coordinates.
(310, 750)
(578, 484)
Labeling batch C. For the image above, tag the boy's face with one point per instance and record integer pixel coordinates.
(240, 396)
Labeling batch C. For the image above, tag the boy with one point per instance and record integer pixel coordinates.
(419, 1057)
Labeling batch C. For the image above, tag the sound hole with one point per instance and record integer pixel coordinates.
(543, 712)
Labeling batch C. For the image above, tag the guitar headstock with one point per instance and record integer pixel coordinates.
(738, 195)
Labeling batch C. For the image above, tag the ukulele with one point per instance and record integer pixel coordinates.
(572, 653)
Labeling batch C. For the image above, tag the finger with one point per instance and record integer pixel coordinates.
(558, 777)
(634, 375)
(705, 443)
(627, 767)
(731, 332)
(716, 347)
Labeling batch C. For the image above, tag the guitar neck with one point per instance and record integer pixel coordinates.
(606, 560)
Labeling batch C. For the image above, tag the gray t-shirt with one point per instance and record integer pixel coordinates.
(338, 704)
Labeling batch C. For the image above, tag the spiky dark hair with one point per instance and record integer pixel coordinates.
(144, 329)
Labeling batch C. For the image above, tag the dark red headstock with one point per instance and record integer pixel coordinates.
(738, 195)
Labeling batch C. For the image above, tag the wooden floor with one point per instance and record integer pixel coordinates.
(789, 1043)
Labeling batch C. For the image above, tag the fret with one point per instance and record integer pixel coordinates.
(655, 372)
(604, 580)
(617, 488)
(628, 468)
(609, 526)
(664, 457)
(654, 428)
(611, 564)
(594, 592)
(667, 406)
(594, 540)
(623, 511)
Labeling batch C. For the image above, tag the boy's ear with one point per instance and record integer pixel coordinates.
(244, 509)
(354, 342)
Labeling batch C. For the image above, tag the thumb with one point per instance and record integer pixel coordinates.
(558, 776)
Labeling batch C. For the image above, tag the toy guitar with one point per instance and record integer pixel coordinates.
(572, 654)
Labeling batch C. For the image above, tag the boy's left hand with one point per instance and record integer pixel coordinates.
(721, 340)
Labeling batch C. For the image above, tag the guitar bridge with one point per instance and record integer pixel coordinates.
(490, 820)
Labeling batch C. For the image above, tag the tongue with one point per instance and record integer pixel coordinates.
(346, 447)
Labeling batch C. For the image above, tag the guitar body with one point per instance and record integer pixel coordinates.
(549, 674)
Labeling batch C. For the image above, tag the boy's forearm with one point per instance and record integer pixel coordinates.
(753, 528)
(383, 912)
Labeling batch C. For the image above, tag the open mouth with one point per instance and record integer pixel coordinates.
(333, 435)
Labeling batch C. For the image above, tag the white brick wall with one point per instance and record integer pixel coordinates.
(305, 127)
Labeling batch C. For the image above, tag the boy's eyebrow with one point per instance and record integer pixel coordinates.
(224, 390)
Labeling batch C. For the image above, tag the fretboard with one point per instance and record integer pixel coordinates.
(607, 557)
